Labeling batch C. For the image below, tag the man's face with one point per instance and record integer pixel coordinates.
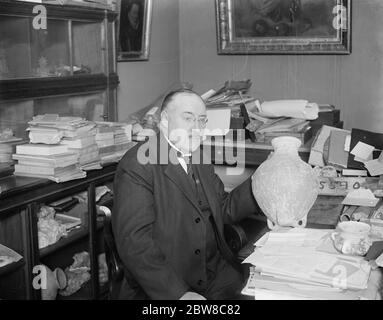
(186, 118)
(133, 14)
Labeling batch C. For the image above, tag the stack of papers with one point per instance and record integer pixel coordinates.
(7, 145)
(51, 128)
(302, 264)
(113, 140)
(85, 147)
(49, 161)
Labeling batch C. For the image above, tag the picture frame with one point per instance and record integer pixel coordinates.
(259, 27)
(133, 29)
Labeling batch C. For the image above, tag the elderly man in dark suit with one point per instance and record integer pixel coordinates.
(169, 213)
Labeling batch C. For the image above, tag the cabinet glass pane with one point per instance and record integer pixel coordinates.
(15, 55)
(15, 115)
(50, 50)
(111, 45)
(88, 49)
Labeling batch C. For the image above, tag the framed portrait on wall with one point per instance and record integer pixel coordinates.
(133, 29)
(283, 26)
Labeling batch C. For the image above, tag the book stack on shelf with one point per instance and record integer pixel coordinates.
(105, 140)
(8, 144)
(51, 128)
(113, 140)
(49, 161)
(86, 149)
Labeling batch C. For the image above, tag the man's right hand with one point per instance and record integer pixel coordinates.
(189, 295)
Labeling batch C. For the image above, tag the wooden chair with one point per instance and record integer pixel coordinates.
(114, 263)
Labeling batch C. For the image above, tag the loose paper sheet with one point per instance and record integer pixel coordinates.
(361, 197)
(362, 151)
(219, 122)
(374, 167)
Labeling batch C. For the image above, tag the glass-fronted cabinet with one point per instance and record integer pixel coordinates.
(64, 64)
(15, 114)
(73, 41)
(70, 60)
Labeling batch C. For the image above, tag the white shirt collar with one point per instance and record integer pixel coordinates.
(181, 159)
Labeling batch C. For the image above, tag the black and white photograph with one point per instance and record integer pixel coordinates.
(191, 158)
(134, 29)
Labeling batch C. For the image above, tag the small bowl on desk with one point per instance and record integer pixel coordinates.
(352, 238)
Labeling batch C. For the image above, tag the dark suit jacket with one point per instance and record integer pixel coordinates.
(155, 222)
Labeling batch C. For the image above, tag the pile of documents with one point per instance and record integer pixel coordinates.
(232, 94)
(51, 128)
(267, 129)
(357, 150)
(299, 263)
(8, 144)
(85, 147)
(113, 140)
(266, 120)
(49, 161)
(230, 97)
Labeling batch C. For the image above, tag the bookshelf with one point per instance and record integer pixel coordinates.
(18, 216)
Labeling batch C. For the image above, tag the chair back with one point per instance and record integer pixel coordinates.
(113, 260)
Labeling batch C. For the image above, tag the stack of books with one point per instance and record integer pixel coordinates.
(113, 140)
(49, 161)
(298, 128)
(8, 143)
(105, 140)
(299, 263)
(6, 151)
(51, 128)
(86, 149)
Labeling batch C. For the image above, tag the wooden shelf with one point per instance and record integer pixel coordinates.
(13, 7)
(85, 292)
(73, 236)
(17, 191)
(53, 86)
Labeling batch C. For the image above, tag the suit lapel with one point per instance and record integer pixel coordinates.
(208, 189)
(178, 176)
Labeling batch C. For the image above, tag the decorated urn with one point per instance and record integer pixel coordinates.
(284, 186)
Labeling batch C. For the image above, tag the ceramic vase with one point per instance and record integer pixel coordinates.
(284, 186)
(55, 280)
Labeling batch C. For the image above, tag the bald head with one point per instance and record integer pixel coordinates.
(171, 97)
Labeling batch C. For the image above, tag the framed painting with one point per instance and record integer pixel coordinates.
(283, 26)
(133, 29)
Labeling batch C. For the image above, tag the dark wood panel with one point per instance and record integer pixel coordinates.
(12, 7)
(19, 191)
(11, 233)
(55, 86)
